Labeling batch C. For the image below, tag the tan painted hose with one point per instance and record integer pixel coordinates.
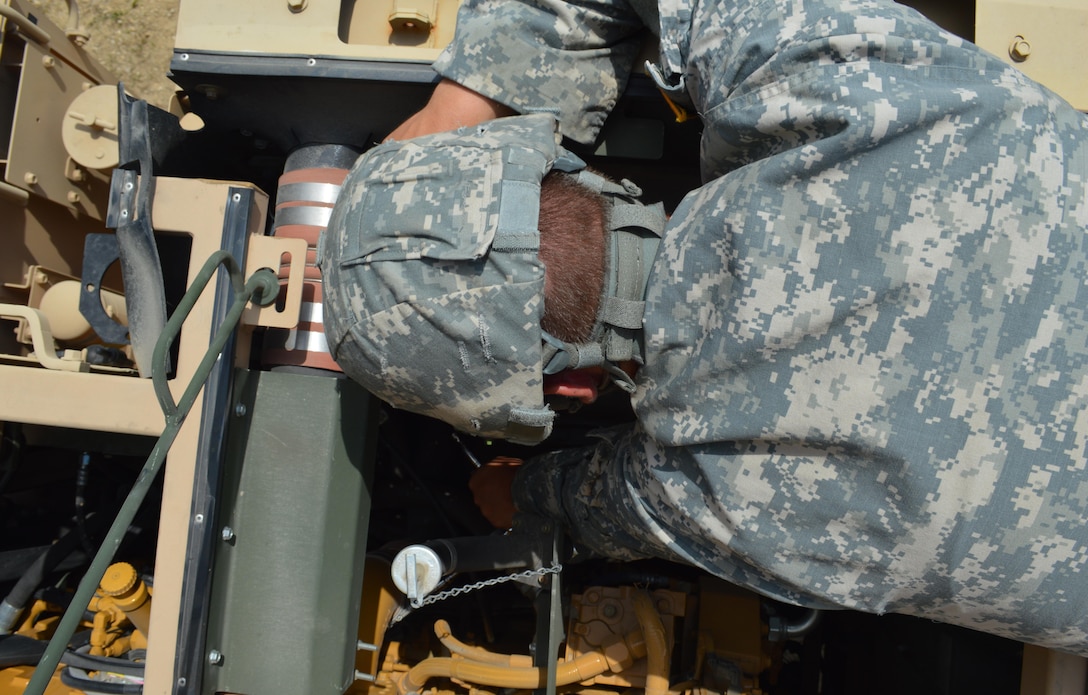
(657, 645)
(621, 654)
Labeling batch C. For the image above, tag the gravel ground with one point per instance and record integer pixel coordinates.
(133, 38)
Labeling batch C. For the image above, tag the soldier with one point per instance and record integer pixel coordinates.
(861, 346)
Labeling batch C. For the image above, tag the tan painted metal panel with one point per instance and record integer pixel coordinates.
(393, 30)
(1043, 38)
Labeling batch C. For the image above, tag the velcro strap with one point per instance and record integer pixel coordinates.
(519, 216)
(623, 313)
(650, 217)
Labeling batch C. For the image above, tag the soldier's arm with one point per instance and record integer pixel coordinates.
(450, 106)
(570, 59)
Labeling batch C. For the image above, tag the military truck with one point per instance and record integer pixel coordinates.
(193, 500)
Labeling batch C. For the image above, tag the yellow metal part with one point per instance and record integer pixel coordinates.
(657, 645)
(601, 614)
(13, 681)
(379, 602)
(123, 586)
(1043, 38)
(616, 656)
(730, 628)
(40, 620)
(479, 654)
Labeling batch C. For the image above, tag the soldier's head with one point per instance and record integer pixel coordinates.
(463, 271)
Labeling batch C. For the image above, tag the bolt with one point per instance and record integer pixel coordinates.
(48, 62)
(227, 534)
(296, 5)
(609, 610)
(30, 178)
(73, 197)
(1019, 49)
(240, 410)
(215, 657)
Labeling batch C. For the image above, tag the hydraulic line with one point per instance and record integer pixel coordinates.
(657, 645)
(478, 654)
(262, 287)
(621, 654)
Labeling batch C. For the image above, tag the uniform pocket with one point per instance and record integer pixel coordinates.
(438, 203)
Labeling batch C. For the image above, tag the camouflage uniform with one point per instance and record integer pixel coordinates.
(866, 337)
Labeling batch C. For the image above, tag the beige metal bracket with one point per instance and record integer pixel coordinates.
(274, 252)
(44, 346)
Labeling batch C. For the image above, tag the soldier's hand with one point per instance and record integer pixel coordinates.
(491, 490)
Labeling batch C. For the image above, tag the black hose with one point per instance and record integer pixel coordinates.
(101, 663)
(20, 594)
(11, 452)
(19, 650)
(82, 475)
(69, 677)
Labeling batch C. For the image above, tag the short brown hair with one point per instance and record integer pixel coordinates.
(573, 221)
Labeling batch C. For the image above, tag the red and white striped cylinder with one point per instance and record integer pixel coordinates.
(307, 191)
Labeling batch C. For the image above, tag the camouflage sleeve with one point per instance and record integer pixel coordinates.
(569, 59)
(573, 487)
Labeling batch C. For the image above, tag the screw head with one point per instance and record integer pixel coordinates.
(1019, 49)
(227, 534)
(215, 657)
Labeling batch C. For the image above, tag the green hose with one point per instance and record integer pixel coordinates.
(262, 287)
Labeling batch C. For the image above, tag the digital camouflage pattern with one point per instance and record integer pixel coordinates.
(866, 336)
(428, 237)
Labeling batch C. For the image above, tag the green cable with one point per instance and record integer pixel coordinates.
(262, 288)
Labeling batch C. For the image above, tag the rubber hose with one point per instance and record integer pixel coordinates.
(69, 678)
(16, 600)
(101, 663)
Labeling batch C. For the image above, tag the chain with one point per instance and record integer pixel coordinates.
(459, 590)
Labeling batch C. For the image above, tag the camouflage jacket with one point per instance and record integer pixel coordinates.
(866, 336)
